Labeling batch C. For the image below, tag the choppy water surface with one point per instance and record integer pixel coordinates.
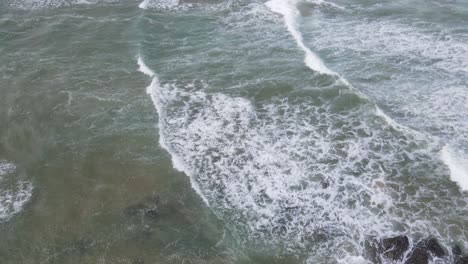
(279, 131)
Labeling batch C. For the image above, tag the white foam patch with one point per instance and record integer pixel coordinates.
(285, 171)
(325, 3)
(13, 200)
(144, 4)
(353, 260)
(6, 167)
(159, 4)
(181, 5)
(45, 4)
(458, 165)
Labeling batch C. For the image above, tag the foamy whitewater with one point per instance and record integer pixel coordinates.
(6, 167)
(12, 199)
(283, 171)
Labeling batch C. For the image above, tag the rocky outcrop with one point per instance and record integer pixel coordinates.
(424, 251)
(461, 260)
(418, 256)
(434, 247)
(458, 257)
(394, 247)
(397, 249)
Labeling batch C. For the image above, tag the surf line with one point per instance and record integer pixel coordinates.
(154, 90)
(288, 10)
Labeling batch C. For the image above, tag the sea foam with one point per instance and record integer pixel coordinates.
(13, 200)
(458, 165)
(159, 4)
(12, 197)
(6, 167)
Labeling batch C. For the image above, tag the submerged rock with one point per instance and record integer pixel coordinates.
(434, 247)
(418, 256)
(394, 247)
(149, 207)
(456, 250)
(424, 251)
(461, 260)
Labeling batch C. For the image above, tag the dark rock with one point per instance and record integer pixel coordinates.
(418, 256)
(421, 252)
(456, 250)
(434, 247)
(461, 260)
(394, 247)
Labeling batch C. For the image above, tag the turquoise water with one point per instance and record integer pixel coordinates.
(230, 131)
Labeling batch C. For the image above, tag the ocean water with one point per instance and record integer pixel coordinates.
(210, 131)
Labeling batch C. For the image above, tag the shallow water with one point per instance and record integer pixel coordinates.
(230, 131)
